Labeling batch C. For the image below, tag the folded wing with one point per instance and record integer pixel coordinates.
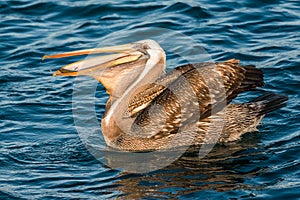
(189, 94)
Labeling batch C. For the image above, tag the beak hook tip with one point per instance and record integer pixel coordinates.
(57, 73)
(45, 57)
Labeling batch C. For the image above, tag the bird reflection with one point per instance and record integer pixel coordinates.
(225, 168)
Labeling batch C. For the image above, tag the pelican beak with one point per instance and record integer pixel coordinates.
(124, 54)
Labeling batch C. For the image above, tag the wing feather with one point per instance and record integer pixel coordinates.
(189, 94)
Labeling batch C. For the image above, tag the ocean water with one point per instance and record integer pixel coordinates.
(43, 155)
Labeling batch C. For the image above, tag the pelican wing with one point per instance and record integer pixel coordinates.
(189, 94)
(151, 91)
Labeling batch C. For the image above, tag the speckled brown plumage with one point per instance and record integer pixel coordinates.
(155, 128)
(149, 109)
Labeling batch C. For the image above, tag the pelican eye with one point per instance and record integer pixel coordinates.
(145, 46)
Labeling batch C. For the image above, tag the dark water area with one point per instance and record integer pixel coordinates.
(42, 156)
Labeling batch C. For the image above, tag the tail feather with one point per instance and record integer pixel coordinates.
(253, 77)
(270, 102)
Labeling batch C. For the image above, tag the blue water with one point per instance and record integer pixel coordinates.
(41, 153)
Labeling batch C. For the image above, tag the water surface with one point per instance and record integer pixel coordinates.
(41, 153)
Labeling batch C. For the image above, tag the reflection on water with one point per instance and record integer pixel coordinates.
(225, 169)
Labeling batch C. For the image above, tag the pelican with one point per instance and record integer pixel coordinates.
(149, 109)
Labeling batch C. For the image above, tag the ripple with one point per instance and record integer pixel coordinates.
(41, 154)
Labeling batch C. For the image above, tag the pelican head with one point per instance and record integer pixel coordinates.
(123, 66)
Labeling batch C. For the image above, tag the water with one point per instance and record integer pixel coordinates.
(41, 154)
